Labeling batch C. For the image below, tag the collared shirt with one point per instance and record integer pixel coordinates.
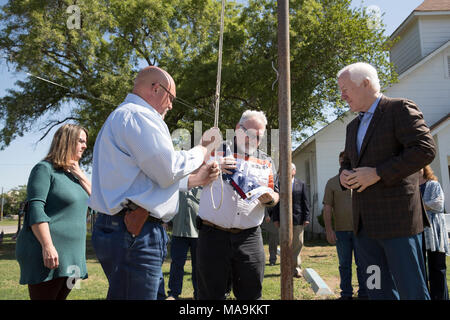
(234, 211)
(364, 123)
(134, 160)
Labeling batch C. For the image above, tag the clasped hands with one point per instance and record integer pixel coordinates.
(211, 170)
(359, 179)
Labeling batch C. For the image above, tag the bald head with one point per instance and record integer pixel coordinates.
(156, 87)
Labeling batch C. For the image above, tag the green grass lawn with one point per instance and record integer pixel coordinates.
(316, 254)
(8, 222)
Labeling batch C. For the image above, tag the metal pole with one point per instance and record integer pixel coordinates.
(284, 112)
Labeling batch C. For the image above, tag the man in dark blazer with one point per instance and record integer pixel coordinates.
(385, 147)
(300, 216)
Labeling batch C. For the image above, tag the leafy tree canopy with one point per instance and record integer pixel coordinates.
(14, 200)
(95, 65)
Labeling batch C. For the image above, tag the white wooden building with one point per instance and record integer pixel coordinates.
(422, 60)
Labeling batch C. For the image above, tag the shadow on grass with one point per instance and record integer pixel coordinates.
(317, 243)
(185, 274)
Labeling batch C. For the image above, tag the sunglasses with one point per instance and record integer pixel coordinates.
(171, 96)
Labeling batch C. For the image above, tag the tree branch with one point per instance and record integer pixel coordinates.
(53, 124)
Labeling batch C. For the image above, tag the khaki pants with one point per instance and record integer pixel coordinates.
(297, 245)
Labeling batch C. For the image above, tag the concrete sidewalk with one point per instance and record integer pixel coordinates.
(8, 229)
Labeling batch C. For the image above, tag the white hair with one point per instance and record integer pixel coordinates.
(293, 166)
(251, 114)
(361, 71)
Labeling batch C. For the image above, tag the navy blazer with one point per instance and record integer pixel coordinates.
(300, 204)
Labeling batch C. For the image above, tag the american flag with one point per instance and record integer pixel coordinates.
(245, 185)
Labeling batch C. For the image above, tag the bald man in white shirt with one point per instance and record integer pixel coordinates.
(136, 178)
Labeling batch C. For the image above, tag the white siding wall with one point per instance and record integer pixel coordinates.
(323, 163)
(428, 87)
(407, 51)
(305, 162)
(329, 144)
(435, 31)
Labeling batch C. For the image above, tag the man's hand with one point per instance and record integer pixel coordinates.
(227, 163)
(204, 175)
(211, 140)
(268, 197)
(362, 178)
(343, 177)
(331, 236)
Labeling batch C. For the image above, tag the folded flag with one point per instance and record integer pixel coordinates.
(248, 179)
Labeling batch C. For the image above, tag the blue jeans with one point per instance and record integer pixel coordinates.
(178, 251)
(395, 267)
(132, 265)
(345, 246)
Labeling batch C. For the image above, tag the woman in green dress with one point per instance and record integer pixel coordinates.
(51, 247)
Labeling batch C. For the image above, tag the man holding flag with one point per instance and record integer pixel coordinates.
(230, 241)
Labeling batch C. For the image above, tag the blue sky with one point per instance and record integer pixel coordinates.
(17, 160)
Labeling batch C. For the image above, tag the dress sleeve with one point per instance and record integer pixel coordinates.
(434, 197)
(150, 144)
(37, 191)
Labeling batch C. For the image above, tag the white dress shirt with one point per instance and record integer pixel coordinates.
(134, 159)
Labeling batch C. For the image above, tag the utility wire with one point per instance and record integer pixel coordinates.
(177, 100)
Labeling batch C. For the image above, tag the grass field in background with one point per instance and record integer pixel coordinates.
(316, 254)
(8, 222)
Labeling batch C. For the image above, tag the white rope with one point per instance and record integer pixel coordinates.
(217, 101)
(219, 67)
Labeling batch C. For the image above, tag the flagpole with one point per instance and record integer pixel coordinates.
(284, 112)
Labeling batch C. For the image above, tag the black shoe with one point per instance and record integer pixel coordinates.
(271, 263)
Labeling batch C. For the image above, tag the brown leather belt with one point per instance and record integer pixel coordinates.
(149, 218)
(231, 230)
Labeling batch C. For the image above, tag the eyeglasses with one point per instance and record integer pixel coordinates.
(171, 96)
(251, 134)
